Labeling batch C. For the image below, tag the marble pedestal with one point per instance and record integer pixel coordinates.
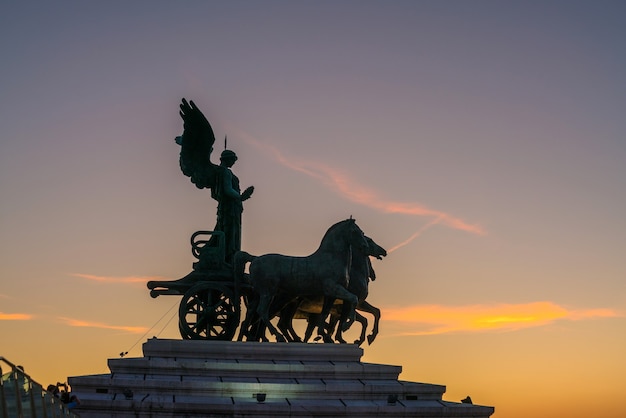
(188, 378)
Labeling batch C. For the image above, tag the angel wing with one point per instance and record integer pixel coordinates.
(196, 145)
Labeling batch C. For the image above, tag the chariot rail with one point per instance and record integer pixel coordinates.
(22, 397)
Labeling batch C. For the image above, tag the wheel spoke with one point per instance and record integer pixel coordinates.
(209, 313)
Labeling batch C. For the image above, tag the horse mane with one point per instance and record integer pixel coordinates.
(335, 226)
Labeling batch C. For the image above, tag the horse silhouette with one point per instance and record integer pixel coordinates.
(325, 273)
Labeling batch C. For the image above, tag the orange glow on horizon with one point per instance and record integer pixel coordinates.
(15, 317)
(438, 319)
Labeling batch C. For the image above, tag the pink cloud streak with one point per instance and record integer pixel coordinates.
(113, 279)
(342, 184)
(88, 324)
(415, 235)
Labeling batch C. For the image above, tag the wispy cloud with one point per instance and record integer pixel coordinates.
(439, 319)
(118, 279)
(15, 316)
(90, 324)
(343, 184)
(415, 235)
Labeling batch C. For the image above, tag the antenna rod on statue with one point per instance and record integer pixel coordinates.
(225, 141)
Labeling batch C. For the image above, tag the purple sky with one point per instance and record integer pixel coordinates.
(483, 141)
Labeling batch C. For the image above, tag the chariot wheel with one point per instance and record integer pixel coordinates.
(209, 311)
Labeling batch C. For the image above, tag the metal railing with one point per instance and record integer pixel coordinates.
(22, 397)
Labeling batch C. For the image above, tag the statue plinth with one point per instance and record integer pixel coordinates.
(224, 378)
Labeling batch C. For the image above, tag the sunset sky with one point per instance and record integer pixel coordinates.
(483, 143)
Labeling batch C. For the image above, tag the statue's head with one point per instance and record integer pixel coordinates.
(228, 156)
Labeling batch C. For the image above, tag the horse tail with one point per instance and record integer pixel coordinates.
(241, 258)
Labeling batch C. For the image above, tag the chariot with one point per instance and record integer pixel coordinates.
(210, 307)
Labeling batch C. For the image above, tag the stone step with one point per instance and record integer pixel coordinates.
(115, 387)
(170, 406)
(259, 368)
(222, 379)
(225, 350)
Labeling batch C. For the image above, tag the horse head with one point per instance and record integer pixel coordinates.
(374, 249)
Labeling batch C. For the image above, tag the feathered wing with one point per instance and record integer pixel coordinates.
(196, 145)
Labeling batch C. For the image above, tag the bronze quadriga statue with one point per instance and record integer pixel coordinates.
(331, 281)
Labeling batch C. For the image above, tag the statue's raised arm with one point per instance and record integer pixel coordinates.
(196, 145)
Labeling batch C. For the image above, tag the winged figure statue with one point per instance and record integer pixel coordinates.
(196, 146)
(195, 162)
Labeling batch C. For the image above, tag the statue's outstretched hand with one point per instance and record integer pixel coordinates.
(247, 193)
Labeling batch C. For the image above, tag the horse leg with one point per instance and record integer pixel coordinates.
(336, 291)
(367, 307)
(346, 323)
(363, 321)
(283, 326)
(310, 326)
(348, 314)
(321, 320)
(263, 311)
(258, 331)
(294, 335)
(285, 323)
(245, 329)
(242, 328)
(335, 323)
(254, 329)
(344, 326)
(349, 300)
